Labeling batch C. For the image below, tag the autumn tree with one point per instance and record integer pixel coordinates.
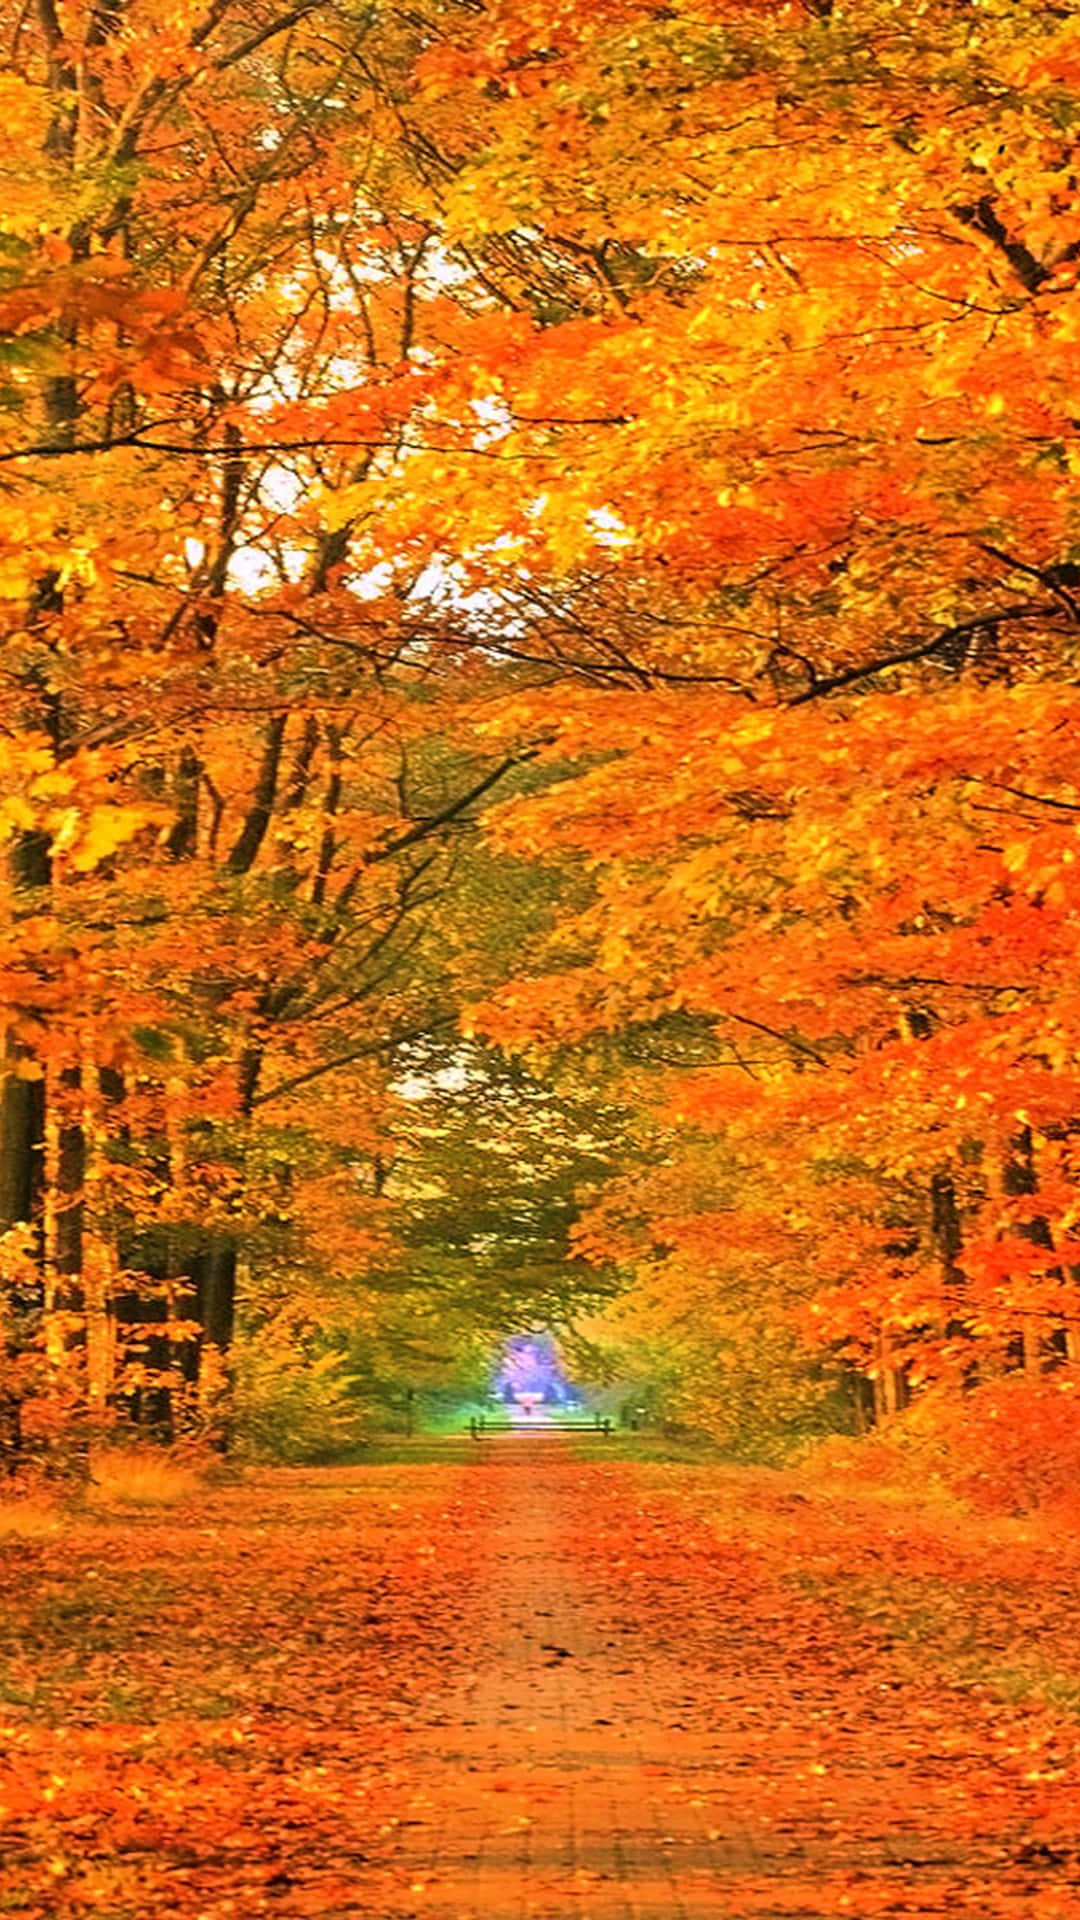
(226, 818)
(819, 436)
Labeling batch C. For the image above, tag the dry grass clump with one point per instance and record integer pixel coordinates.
(140, 1477)
(28, 1514)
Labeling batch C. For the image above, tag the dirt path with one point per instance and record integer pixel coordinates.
(657, 1727)
(550, 1769)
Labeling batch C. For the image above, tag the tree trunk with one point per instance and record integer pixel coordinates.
(947, 1233)
(98, 1262)
(214, 1273)
(183, 836)
(1019, 1176)
(62, 1209)
(946, 1228)
(862, 1402)
(890, 1386)
(244, 853)
(22, 1128)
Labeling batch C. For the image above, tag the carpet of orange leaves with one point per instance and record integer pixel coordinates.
(201, 1713)
(212, 1714)
(918, 1716)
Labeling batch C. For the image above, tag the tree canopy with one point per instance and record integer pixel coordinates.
(548, 529)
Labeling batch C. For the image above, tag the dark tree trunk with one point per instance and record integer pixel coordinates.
(213, 1274)
(22, 1121)
(1020, 1177)
(243, 856)
(22, 1150)
(70, 1173)
(184, 832)
(946, 1227)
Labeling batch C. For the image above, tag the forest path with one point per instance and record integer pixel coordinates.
(659, 1723)
(537, 1679)
(560, 1771)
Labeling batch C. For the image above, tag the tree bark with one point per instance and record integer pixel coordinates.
(890, 1386)
(1019, 1177)
(97, 1257)
(183, 838)
(22, 1125)
(245, 852)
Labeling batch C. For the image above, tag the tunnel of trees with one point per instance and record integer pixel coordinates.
(540, 580)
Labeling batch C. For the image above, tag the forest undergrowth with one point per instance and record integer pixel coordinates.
(953, 1529)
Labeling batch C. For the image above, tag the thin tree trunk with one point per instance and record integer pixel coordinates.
(890, 1386)
(244, 853)
(1019, 1177)
(947, 1233)
(331, 803)
(214, 1273)
(184, 1352)
(62, 1206)
(22, 1124)
(183, 835)
(97, 1254)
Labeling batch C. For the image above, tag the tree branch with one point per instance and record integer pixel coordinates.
(433, 821)
(926, 649)
(369, 1052)
(787, 1039)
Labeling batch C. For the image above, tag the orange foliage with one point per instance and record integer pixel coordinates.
(676, 403)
